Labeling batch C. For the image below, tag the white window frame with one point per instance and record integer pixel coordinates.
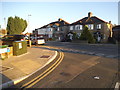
(99, 26)
(58, 29)
(90, 26)
(81, 27)
(71, 27)
(76, 27)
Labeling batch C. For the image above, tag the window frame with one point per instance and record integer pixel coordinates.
(71, 27)
(99, 26)
(90, 26)
(81, 27)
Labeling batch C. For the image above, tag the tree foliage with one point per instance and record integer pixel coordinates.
(16, 25)
(86, 35)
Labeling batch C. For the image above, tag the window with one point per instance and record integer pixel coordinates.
(71, 27)
(50, 35)
(78, 27)
(49, 29)
(81, 27)
(90, 26)
(58, 29)
(62, 28)
(98, 26)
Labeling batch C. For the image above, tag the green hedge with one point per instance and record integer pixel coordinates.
(3, 46)
(19, 47)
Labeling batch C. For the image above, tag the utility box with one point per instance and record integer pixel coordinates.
(19, 47)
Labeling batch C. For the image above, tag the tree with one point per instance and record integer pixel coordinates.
(16, 25)
(74, 35)
(86, 35)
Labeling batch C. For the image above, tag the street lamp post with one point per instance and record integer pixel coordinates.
(29, 21)
(5, 23)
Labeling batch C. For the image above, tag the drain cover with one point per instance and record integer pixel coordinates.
(44, 56)
(2, 68)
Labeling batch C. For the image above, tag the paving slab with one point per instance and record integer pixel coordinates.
(16, 67)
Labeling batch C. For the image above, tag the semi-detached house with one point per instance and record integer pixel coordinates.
(58, 30)
(99, 28)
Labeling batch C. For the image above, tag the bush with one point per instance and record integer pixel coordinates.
(112, 40)
(86, 35)
(3, 46)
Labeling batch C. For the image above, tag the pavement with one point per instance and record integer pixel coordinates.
(17, 68)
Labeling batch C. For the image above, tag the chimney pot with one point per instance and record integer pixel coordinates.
(90, 14)
(109, 22)
(59, 19)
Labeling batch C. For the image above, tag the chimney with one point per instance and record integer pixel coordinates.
(90, 14)
(59, 19)
(109, 22)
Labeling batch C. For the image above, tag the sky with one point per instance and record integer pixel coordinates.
(43, 13)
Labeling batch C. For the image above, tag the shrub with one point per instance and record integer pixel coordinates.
(86, 35)
(112, 40)
(3, 46)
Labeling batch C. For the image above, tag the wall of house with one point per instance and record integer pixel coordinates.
(105, 31)
(41, 31)
(46, 31)
(61, 32)
(75, 30)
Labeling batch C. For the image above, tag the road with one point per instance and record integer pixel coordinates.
(105, 50)
(77, 70)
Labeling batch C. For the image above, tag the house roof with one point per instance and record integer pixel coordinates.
(89, 20)
(116, 28)
(60, 22)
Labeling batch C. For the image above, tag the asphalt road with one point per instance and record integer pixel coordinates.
(80, 70)
(105, 50)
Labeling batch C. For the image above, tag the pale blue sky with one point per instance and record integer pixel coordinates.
(43, 13)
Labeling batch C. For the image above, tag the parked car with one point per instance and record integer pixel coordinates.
(38, 40)
(27, 38)
(9, 39)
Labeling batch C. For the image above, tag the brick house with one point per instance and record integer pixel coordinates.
(99, 28)
(57, 30)
(116, 32)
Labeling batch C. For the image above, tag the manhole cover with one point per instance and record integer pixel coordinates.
(3, 68)
(65, 74)
(44, 56)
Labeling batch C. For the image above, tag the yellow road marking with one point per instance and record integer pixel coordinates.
(45, 74)
(49, 70)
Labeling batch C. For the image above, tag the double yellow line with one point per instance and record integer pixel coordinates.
(45, 73)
